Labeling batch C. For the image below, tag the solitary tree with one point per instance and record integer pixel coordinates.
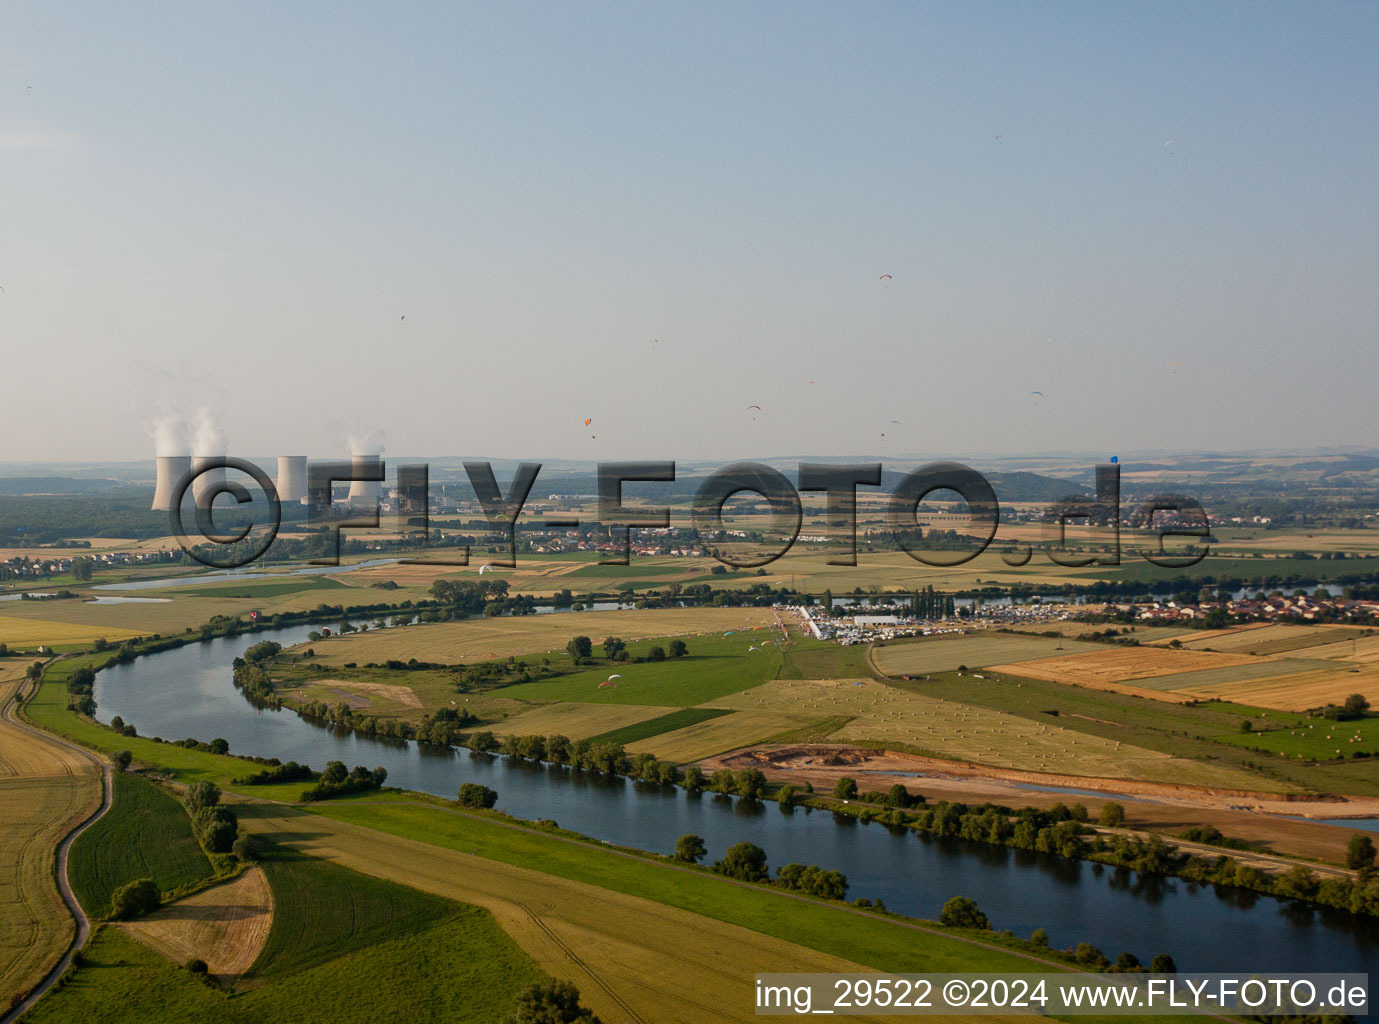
(1355, 705)
(474, 795)
(845, 788)
(1112, 814)
(656, 654)
(1127, 963)
(1163, 964)
(579, 647)
(961, 912)
(122, 759)
(678, 649)
(690, 848)
(1360, 852)
(746, 861)
(550, 1002)
(81, 569)
(135, 899)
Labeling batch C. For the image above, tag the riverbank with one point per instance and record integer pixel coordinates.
(1254, 817)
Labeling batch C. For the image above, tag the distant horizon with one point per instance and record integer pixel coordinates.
(11, 467)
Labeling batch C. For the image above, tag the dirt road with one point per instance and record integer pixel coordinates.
(48, 796)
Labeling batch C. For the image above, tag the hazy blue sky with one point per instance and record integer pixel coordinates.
(237, 204)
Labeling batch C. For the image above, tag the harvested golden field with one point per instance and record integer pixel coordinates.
(947, 729)
(577, 721)
(1357, 648)
(630, 958)
(45, 790)
(484, 639)
(1296, 692)
(1107, 665)
(1267, 638)
(1144, 634)
(976, 649)
(18, 631)
(226, 925)
(704, 739)
(109, 620)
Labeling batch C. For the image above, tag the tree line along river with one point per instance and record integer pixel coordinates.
(189, 692)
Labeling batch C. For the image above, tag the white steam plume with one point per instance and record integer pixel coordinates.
(365, 442)
(210, 438)
(168, 429)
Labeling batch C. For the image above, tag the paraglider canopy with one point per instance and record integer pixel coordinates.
(885, 277)
(485, 568)
(1115, 459)
(588, 421)
(756, 407)
(615, 676)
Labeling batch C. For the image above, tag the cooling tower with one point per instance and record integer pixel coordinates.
(291, 482)
(205, 484)
(171, 468)
(364, 492)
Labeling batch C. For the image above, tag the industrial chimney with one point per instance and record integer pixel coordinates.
(205, 485)
(171, 468)
(291, 482)
(365, 492)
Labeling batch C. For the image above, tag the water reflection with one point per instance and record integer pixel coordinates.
(189, 692)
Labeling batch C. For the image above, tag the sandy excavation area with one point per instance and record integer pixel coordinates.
(226, 925)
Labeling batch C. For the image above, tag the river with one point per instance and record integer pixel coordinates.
(188, 692)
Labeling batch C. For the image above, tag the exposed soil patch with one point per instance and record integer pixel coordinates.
(226, 926)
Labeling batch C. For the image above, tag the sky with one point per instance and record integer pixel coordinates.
(1160, 216)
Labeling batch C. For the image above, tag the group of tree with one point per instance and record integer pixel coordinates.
(290, 772)
(897, 796)
(582, 755)
(216, 826)
(336, 780)
(470, 597)
(81, 685)
(746, 782)
(747, 862)
(929, 604)
(1062, 831)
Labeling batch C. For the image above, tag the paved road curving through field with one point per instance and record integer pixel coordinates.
(64, 887)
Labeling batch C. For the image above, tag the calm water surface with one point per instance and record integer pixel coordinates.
(188, 692)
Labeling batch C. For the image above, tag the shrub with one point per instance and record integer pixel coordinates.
(197, 966)
(472, 794)
(961, 912)
(746, 861)
(1112, 814)
(550, 1002)
(1359, 853)
(135, 899)
(845, 788)
(690, 848)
